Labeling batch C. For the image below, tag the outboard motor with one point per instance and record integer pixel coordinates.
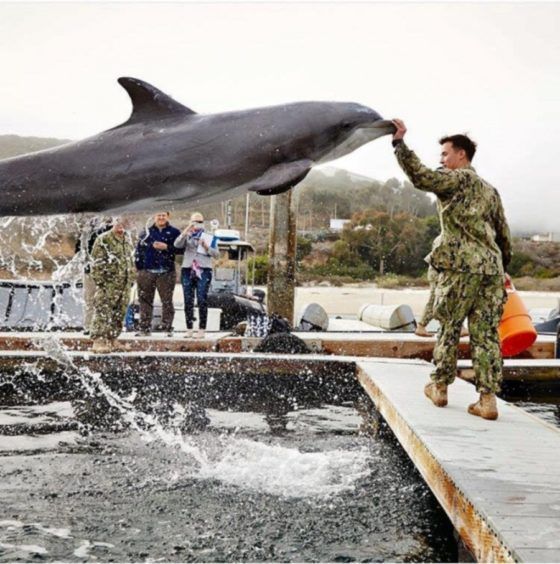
(312, 317)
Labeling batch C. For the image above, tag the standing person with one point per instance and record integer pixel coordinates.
(96, 227)
(112, 270)
(470, 259)
(196, 272)
(155, 263)
(428, 313)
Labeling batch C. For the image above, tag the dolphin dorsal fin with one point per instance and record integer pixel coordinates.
(149, 103)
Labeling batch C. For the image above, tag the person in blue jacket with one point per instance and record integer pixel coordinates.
(155, 263)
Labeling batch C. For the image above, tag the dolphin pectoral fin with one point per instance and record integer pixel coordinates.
(280, 178)
(149, 103)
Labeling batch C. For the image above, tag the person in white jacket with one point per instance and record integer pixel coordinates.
(196, 271)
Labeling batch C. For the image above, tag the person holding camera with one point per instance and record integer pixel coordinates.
(196, 271)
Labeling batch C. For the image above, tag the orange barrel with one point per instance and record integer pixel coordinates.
(516, 328)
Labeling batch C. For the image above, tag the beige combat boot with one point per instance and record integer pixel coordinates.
(120, 346)
(486, 407)
(437, 393)
(101, 346)
(421, 331)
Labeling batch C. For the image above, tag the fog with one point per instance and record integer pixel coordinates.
(490, 70)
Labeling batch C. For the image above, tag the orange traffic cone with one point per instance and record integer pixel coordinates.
(516, 329)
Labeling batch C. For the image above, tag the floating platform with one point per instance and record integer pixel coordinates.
(498, 481)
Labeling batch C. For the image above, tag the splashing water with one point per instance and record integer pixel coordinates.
(240, 462)
(40, 246)
(284, 471)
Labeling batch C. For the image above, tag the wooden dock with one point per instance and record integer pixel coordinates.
(498, 481)
(348, 343)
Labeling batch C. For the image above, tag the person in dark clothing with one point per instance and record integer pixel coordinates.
(97, 226)
(155, 262)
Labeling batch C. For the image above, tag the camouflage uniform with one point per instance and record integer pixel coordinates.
(428, 314)
(470, 258)
(112, 270)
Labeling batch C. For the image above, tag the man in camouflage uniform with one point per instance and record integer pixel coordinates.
(470, 259)
(112, 268)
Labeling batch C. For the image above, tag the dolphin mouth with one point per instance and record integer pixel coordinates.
(384, 126)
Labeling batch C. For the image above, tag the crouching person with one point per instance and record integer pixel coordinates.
(112, 269)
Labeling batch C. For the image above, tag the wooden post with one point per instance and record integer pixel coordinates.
(282, 255)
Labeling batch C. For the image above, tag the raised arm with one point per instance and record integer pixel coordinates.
(441, 182)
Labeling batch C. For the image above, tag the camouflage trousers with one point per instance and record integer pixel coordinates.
(428, 314)
(109, 309)
(480, 298)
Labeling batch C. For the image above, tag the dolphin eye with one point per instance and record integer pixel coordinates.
(277, 155)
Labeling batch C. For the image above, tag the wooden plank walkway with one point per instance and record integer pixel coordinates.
(348, 343)
(387, 344)
(498, 481)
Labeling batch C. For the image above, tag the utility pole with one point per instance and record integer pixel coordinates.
(247, 217)
(228, 214)
(281, 286)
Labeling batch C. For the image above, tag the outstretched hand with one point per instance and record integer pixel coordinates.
(401, 130)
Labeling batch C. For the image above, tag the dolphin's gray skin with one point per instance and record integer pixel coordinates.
(166, 155)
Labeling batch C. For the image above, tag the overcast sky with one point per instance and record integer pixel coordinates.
(491, 70)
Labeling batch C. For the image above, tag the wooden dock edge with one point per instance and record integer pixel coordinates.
(479, 537)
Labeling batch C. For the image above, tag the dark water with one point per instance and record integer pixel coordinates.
(539, 399)
(306, 486)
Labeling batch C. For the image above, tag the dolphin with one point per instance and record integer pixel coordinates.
(166, 155)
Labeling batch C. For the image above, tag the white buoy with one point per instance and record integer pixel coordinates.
(388, 317)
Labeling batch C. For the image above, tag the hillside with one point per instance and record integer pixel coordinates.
(13, 145)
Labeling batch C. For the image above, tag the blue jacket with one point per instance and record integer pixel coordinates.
(148, 258)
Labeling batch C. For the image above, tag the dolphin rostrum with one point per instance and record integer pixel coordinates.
(166, 155)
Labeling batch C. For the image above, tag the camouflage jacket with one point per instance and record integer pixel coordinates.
(112, 261)
(474, 233)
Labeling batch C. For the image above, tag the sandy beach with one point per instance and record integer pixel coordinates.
(347, 300)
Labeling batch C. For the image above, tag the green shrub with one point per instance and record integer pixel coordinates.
(333, 267)
(261, 268)
(521, 264)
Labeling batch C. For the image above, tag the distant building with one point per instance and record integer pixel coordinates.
(338, 224)
(542, 237)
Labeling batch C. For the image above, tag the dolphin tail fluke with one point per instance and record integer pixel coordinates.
(149, 103)
(281, 178)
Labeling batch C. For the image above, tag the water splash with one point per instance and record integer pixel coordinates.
(38, 247)
(287, 472)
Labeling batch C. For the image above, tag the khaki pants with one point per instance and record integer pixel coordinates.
(148, 283)
(89, 295)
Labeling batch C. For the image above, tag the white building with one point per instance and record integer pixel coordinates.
(338, 224)
(540, 237)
